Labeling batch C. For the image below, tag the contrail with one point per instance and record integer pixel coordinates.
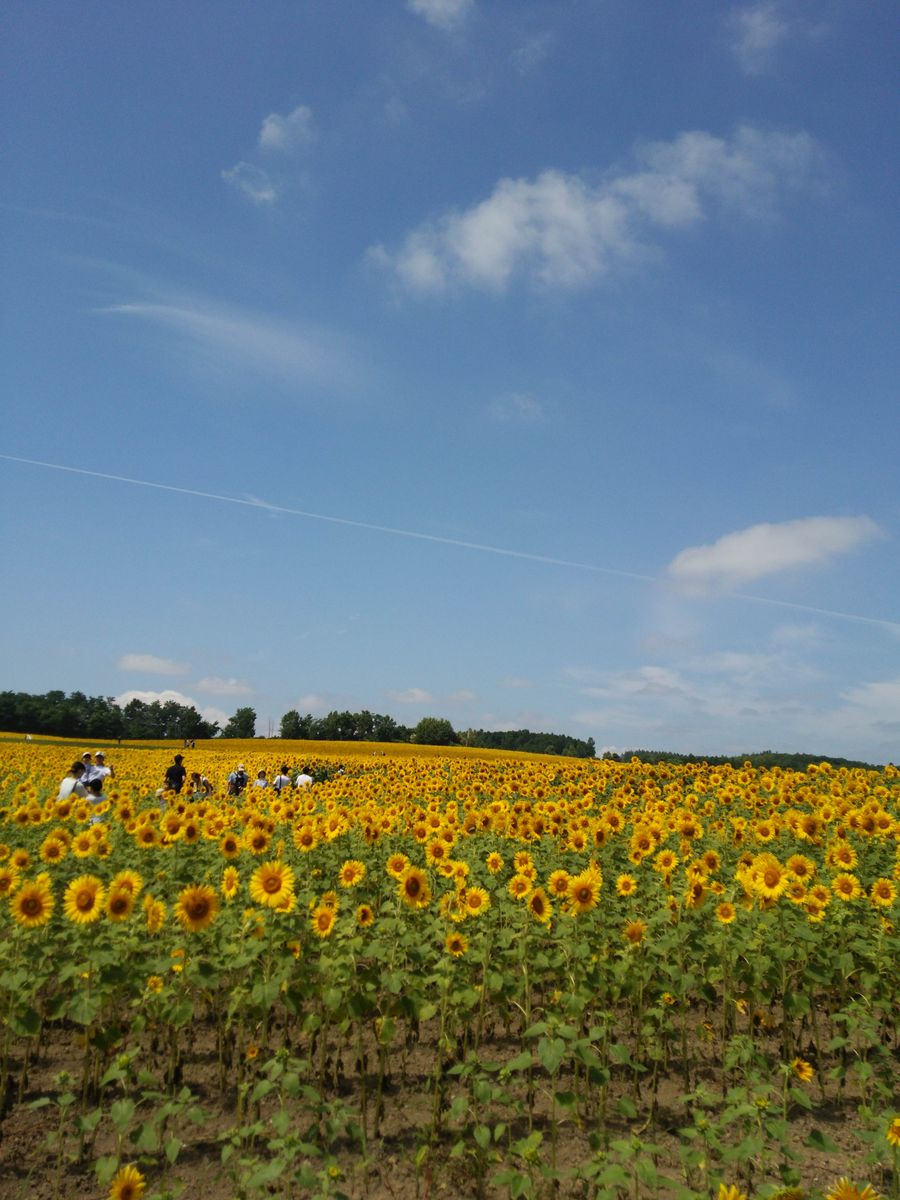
(432, 537)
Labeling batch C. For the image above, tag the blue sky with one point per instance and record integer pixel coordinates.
(579, 319)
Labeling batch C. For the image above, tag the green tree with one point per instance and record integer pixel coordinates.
(434, 731)
(242, 724)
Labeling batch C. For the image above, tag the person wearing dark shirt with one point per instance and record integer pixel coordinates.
(175, 774)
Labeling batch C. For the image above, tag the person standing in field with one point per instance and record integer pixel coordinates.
(304, 779)
(175, 774)
(71, 785)
(101, 770)
(261, 781)
(90, 771)
(96, 797)
(237, 780)
(282, 779)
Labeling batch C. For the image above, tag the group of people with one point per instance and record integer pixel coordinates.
(87, 776)
(238, 779)
(86, 779)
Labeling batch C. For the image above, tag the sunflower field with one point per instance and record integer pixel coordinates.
(482, 975)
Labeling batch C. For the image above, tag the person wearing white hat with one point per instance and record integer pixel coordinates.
(101, 770)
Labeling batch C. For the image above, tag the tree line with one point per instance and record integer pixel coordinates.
(763, 759)
(57, 714)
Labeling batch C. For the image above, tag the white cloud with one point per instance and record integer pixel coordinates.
(750, 554)
(290, 352)
(461, 696)
(286, 133)
(532, 52)
(147, 697)
(312, 702)
(516, 408)
(412, 695)
(443, 14)
(151, 664)
(252, 182)
(216, 686)
(756, 31)
(559, 230)
(516, 682)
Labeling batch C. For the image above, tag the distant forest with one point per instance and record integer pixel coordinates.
(57, 714)
(764, 758)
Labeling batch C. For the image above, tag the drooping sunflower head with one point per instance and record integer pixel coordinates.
(413, 888)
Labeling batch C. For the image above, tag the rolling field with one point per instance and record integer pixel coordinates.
(457, 973)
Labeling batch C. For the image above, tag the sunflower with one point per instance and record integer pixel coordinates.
(83, 844)
(634, 932)
(396, 865)
(256, 841)
(119, 904)
(584, 893)
(802, 867)
(351, 873)
(147, 837)
(494, 862)
(230, 845)
(322, 921)
(456, 944)
(730, 1192)
(9, 878)
(197, 907)
(83, 899)
(725, 912)
(365, 916)
(155, 913)
(475, 901)
(231, 882)
(768, 876)
(539, 906)
(665, 862)
(52, 851)
(305, 838)
(846, 887)
(883, 893)
(128, 1184)
(155, 984)
(893, 1132)
(128, 881)
(843, 1189)
(413, 888)
(519, 886)
(558, 883)
(626, 885)
(271, 883)
(802, 1069)
(32, 905)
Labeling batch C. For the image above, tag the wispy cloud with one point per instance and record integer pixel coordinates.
(516, 682)
(516, 408)
(443, 14)
(288, 132)
(150, 697)
(532, 52)
(291, 352)
(561, 231)
(151, 664)
(749, 554)
(253, 182)
(214, 685)
(411, 695)
(757, 30)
